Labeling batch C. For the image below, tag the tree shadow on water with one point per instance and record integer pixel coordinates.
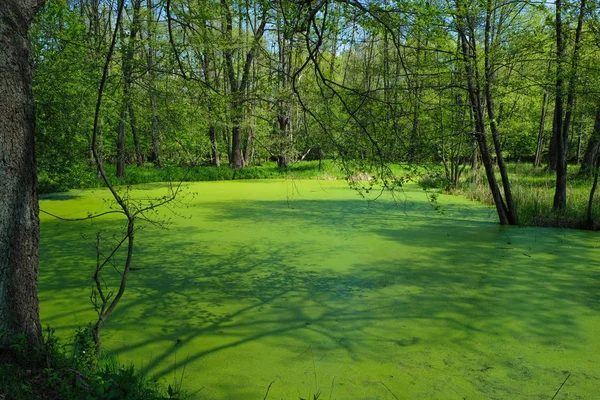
(362, 282)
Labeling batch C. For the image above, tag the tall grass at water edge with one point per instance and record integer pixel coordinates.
(533, 192)
(84, 176)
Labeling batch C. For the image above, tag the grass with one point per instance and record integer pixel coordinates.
(533, 191)
(85, 177)
(61, 372)
(306, 285)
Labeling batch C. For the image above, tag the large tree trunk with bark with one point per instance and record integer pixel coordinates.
(19, 222)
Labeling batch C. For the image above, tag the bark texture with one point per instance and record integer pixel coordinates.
(19, 222)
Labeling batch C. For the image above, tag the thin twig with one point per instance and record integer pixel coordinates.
(92, 216)
(332, 387)
(304, 352)
(561, 386)
(269, 388)
(396, 397)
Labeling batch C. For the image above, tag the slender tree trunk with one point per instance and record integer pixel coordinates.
(283, 127)
(284, 41)
(154, 122)
(155, 131)
(136, 137)
(214, 144)
(562, 124)
(558, 142)
(489, 77)
(212, 135)
(128, 80)
(99, 151)
(540, 142)
(121, 146)
(239, 89)
(579, 136)
(552, 151)
(237, 160)
(469, 53)
(590, 208)
(19, 222)
(249, 147)
(91, 161)
(591, 151)
(415, 151)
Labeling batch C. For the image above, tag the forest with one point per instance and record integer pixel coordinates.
(369, 84)
(398, 173)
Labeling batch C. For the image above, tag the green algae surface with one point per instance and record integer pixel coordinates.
(295, 289)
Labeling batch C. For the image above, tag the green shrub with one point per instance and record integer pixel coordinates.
(52, 373)
(47, 185)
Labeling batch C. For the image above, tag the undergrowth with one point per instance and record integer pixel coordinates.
(533, 192)
(84, 176)
(61, 372)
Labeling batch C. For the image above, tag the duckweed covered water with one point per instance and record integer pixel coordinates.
(303, 288)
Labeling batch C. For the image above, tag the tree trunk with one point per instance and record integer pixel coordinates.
(283, 124)
(236, 161)
(489, 77)
(540, 142)
(216, 160)
(590, 216)
(128, 80)
(19, 222)
(156, 156)
(99, 152)
(562, 124)
(285, 47)
(136, 137)
(249, 148)
(154, 126)
(558, 143)
(91, 161)
(587, 163)
(469, 55)
(239, 89)
(121, 146)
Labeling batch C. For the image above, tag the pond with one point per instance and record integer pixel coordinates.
(290, 289)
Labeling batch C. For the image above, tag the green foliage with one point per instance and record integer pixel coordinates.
(64, 85)
(84, 349)
(51, 373)
(48, 185)
(434, 179)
